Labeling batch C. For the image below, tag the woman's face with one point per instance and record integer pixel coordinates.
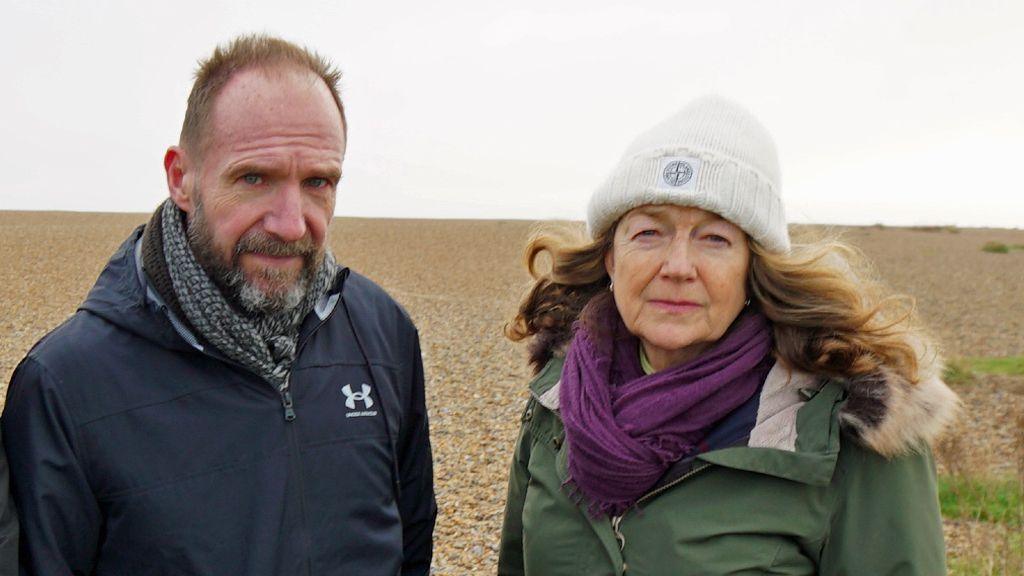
(679, 277)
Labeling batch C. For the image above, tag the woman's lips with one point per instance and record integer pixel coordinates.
(675, 306)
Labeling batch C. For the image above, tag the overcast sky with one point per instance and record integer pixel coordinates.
(896, 112)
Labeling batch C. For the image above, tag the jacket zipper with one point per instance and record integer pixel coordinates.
(617, 520)
(671, 484)
(284, 390)
(289, 416)
(286, 399)
(296, 464)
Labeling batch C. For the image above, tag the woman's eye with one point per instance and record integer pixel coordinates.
(647, 232)
(252, 179)
(717, 239)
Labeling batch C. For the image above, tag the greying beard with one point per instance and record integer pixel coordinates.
(254, 301)
(230, 278)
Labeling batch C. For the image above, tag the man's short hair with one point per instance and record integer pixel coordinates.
(243, 53)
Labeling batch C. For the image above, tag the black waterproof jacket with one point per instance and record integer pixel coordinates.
(132, 452)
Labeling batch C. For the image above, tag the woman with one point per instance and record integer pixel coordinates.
(709, 398)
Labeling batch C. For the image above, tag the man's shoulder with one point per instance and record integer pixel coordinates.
(89, 362)
(109, 316)
(80, 336)
(61, 363)
(364, 296)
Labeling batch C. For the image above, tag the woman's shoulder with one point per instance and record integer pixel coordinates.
(883, 411)
(544, 386)
(893, 416)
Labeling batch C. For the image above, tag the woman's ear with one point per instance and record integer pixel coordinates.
(609, 263)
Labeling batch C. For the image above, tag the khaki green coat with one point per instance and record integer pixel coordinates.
(803, 497)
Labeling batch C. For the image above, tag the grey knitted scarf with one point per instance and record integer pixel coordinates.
(264, 344)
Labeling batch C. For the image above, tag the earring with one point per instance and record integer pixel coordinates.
(611, 286)
(747, 303)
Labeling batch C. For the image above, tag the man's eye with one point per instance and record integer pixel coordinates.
(318, 182)
(252, 179)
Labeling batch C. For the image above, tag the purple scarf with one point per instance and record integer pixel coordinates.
(624, 428)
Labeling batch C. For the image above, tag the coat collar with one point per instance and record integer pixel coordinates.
(121, 295)
(800, 416)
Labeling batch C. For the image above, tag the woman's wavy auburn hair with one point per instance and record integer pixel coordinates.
(831, 315)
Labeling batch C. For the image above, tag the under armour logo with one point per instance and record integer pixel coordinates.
(352, 397)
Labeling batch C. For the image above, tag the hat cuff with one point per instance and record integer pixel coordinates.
(728, 188)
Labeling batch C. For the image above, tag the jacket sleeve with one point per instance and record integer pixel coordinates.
(510, 551)
(416, 502)
(886, 518)
(8, 523)
(60, 519)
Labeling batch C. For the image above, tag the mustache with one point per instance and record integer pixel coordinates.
(260, 242)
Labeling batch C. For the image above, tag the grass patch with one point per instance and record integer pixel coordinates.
(1010, 365)
(1001, 559)
(997, 501)
(963, 370)
(957, 372)
(949, 228)
(995, 248)
(1006, 365)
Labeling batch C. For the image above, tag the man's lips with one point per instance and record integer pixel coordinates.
(271, 260)
(668, 305)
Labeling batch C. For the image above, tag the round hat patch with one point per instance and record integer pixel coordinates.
(677, 173)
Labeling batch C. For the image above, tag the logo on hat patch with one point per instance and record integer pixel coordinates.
(678, 172)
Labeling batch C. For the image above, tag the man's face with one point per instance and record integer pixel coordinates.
(277, 289)
(261, 196)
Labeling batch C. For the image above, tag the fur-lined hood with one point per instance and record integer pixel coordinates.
(892, 416)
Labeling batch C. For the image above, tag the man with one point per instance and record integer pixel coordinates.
(228, 400)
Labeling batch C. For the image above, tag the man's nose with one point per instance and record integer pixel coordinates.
(678, 260)
(285, 219)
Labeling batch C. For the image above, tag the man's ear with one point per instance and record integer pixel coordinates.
(180, 174)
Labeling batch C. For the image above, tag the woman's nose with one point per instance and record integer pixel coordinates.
(678, 260)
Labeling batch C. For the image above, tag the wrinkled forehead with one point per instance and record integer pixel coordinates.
(671, 213)
(281, 98)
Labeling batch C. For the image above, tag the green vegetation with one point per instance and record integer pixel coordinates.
(995, 507)
(997, 501)
(1000, 248)
(948, 228)
(1010, 365)
(1011, 549)
(963, 370)
(957, 372)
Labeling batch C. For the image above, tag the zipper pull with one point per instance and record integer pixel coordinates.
(616, 521)
(289, 410)
(286, 400)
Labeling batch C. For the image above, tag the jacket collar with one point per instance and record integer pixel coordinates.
(800, 416)
(121, 296)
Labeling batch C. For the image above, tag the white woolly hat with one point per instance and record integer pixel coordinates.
(713, 155)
